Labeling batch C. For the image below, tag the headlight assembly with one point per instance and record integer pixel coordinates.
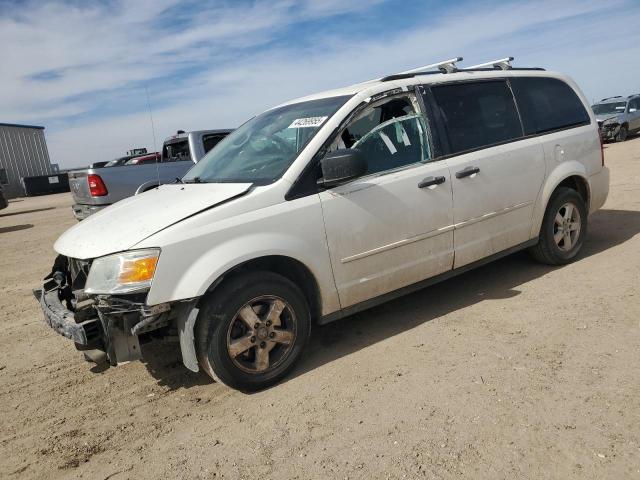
(125, 272)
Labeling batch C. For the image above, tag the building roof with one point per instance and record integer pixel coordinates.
(20, 126)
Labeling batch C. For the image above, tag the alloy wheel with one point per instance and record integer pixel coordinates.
(566, 227)
(261, 334)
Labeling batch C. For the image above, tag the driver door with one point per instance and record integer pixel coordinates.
(393, 226)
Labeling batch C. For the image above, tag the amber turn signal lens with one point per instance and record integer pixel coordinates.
(138, 270)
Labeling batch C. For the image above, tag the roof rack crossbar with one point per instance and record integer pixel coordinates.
(500, 64)
(609, 98)
(445, 66)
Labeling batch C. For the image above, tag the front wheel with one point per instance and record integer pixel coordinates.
(622, 134)
(252, 329)
(563, 230)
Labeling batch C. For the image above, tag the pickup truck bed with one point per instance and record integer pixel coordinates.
(179, 153)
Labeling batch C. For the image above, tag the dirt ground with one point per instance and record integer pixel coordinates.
(514, 370)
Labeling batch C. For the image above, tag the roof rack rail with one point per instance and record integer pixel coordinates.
(500, 64)
(633, 95)
(449, 66)
(445, 66)
(609, 98)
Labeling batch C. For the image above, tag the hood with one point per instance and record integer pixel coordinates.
(607, 116)
(129, 221)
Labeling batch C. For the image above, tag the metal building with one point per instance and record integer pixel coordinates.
(23, 153)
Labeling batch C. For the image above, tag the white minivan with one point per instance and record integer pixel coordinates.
(328, 205)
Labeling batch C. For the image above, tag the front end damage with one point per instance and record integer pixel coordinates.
(107, 328)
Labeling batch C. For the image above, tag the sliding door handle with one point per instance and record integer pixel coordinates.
(431, 181)
(467, 172)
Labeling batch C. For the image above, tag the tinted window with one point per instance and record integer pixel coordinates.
(548, 104)
(3, 176)
(477, 115)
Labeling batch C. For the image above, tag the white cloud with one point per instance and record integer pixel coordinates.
(105, 53)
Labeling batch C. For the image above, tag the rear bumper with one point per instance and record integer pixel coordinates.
(599, 189)
(62, 320)
(83, 211)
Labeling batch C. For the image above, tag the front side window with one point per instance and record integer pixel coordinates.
(548, 104)
(262, 149)
(391, 133)
(477, 115)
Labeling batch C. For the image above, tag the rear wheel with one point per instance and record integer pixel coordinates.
(252, 330)
(563, 230)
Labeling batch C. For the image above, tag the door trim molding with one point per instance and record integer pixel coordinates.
(397, 244)
(487, 216)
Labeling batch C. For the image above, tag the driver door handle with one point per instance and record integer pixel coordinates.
(431, 181)
(467, 172)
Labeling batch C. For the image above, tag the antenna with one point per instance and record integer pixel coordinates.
(500, 64)
(153, 131)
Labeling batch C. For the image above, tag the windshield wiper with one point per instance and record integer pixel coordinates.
(178, 180)
(193, 180)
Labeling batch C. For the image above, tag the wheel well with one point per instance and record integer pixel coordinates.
(578, 184)
(289, 268)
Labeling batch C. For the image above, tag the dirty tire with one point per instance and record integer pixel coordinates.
(221, 314)
(622, 134)
(547, 249)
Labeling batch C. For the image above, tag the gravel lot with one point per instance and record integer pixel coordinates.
(514, 370)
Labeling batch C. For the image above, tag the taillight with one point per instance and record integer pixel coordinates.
(601, 149)
(97, 187)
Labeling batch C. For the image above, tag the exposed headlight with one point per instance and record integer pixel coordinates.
(125, 272)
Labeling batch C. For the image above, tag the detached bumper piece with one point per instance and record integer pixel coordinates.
(87, 334)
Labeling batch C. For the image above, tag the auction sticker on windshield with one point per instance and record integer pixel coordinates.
(309, 122)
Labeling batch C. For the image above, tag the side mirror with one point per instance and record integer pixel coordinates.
(342, 165)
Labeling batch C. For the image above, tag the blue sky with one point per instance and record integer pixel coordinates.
(80, 68)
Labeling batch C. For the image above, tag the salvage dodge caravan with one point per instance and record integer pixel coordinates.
(328, 205)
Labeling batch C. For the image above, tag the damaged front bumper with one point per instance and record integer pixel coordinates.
(609, 131)
(86, 333)
(112, 326)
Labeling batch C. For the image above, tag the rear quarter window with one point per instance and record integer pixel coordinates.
(548, 104)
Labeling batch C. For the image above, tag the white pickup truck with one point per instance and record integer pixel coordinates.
(96, 188)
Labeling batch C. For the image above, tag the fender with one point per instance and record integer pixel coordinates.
(202, 273)
(558, 174)
(199, 274)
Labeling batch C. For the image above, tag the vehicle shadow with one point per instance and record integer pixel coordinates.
(15, 228)
(497, 280)
(21, 212)
(163, 360)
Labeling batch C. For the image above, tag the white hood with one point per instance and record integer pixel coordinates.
(128, 222)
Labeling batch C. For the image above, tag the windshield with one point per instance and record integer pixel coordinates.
(609, 108)
(263, 148)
